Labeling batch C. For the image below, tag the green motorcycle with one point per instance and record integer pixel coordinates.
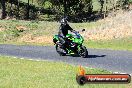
(73, 47)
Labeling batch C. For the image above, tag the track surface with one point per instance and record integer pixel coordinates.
(116, 61)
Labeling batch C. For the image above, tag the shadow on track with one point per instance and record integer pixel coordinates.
(89, 56)
(95, 56)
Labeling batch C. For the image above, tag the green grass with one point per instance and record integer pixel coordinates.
(18, 73)
(115, 44)
(40, 28)
(37, 28)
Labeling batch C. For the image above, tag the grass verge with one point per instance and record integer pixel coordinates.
(115, 44)
(18, 73)
(20, 32)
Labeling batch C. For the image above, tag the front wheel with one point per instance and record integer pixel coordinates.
(83, 52)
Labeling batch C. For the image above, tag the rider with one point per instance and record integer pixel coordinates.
(63, 31)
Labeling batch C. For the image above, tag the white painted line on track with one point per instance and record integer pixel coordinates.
(22, 58)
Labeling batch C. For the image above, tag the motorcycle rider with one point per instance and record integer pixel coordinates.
(63, 31)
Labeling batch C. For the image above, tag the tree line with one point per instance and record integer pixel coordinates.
(76, 10)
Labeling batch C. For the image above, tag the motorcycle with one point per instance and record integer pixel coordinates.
(74, 45)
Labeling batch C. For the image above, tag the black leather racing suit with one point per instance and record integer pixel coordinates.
(63, 31)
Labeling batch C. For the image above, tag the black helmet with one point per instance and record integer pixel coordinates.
(64, 21)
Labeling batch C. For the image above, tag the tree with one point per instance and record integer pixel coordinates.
(18, 9)
(3, 16)
(28, 9)
(106, 8)
(102, 5)
(124, 3)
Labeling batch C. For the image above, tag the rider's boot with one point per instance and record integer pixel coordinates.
(63, 48)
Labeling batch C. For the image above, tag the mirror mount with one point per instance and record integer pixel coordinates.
(83, 30)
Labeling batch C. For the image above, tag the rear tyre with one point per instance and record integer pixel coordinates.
(60, 50)
(83, 52)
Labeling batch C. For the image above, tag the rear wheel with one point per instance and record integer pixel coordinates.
(83, 52)
(60, 50)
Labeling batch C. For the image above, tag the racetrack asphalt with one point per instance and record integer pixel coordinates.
(112, 60)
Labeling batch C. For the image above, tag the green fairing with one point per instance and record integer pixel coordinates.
(56, 37)
(76, 40)
(71, 37)
(79, 41)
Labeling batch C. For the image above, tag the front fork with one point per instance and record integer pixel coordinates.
(79, 47)
(74, 49)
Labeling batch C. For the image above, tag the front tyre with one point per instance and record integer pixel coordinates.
(83, 52)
